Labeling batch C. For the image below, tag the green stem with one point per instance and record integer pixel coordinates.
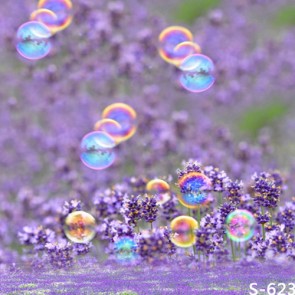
(232, 250)
(272, 213)
(199, 215)
(220, 199)
(195, 250)
(151, 226)
(239, 249)
(262, 225)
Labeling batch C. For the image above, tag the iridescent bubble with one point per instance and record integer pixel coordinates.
(194, 187)
(111, 127)
(97, 150)
(46, 17)
(240, 225)
(62, 10)
(79, 227)
(33, 40)
(125, 116)
(197, 73)
(183, 231)
(169, 39)
(125, 250)
(159, 188)
(185, 49)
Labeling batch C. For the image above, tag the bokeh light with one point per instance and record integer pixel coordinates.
(169, 38)
(97, 150)
(159, 188)
(197, 73)
(62, 10)
(111, 127)
(183, 231)
(125, 115)
(240, 225)
(33, 40)
(125, 250)
(46, 17)
(79, 227)
(194, 187)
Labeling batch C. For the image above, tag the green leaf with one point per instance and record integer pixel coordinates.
(257, 117)
(189, 10)
(284, 17)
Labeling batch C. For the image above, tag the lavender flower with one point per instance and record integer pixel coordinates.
(219, 179)
(132, 209)
(60, 254)
(267, 190)
(149, 208)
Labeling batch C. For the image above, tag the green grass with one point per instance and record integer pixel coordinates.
(189, 10)
(257, 117)
(284, 17)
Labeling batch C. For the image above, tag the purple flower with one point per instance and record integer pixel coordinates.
(266, 190)
(149, 208)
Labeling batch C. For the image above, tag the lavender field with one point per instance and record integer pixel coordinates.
(189, 185)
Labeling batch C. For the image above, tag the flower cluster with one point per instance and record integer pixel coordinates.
(267, 189)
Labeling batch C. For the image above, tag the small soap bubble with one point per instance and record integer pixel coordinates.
(111, 127)
(240, 225)
(63, 11)
(125, 250)
(33, 40)
(194, 187)
(197, 73)
(97, 150)
(159, 188)
(169, 38)
(79, 227)
(185, 49)
(125, 116)
(183, 231)
(46, 17)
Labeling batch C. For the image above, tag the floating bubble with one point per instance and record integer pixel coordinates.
(33, 40)
(197, 73)
(159, 188)
(97, 150)
(79, 227)
(240, 225)
(46, 17)
(125, 116)
(62, 10)
(194, 188)
(183, 231)
(111, 127)
(125, 250)
(185, 49)
(169, 39)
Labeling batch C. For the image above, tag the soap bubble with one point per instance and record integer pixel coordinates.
(111, 127)
(125, 250)
(169, 39)
(183, 231)
(33, 40)
(185, 49)
(125, 116)
(62, 10)
(240, 225)
(79, 227)
(194, 187)
(159, 188)
(97, 150)
(197, 73)
(46, 17)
